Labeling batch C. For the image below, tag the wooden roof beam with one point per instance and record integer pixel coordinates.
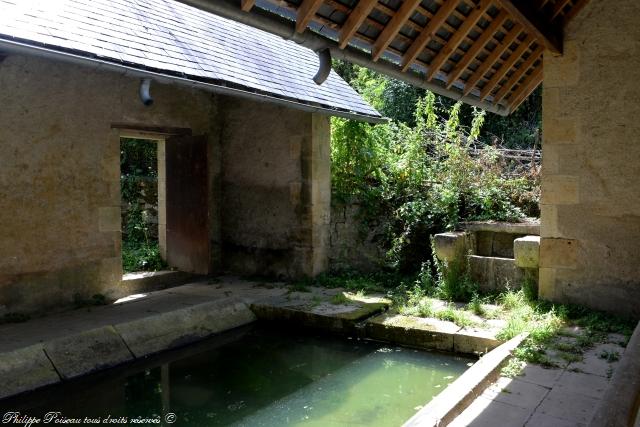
(393, 27)
(506, 66)
(527, 16)
(518, 74)
(494, 56)
(306, 11)
(559, 7)
(246, 5)
(355, 20)
(476, 47)
(457, 37)
(530, 84)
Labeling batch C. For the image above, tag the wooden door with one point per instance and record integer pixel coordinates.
(187, 204)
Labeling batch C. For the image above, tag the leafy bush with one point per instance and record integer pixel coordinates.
(423, 179)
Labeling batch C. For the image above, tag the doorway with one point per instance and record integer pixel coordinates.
(165, 202)
(143, 211)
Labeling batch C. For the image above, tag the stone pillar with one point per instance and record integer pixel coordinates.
(590, 209)
(316, 190)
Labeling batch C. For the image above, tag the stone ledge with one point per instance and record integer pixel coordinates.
(176, 328)
(457, 396)
(25, 369)
(529, 227)
(89, 351)
(133, 283)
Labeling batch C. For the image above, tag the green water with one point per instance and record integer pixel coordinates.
(264, 378)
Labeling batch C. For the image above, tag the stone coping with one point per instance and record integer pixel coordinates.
(81, 353)
(67, 346)
(531, 227)
(146, 281)
(619, 406)
(430, 334)
(443, 408)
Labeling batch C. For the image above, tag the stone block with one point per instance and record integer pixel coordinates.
(109, 218)
(76, 355)
(25, 369)
(563, 71)
(472, 341)
(547, 284)
(412, 331)
(526, 251)
(450, 246)
(560, 131)
(560, 190)
(176, 328)
(558, 253)
(495, 274)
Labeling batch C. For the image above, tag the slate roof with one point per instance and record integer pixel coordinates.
(174, 39)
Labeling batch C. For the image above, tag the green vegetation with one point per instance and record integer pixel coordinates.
(423, 175)
(139, 192)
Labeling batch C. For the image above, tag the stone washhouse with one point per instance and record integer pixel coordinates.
(243, 144)
(493, 54)
(70, 81)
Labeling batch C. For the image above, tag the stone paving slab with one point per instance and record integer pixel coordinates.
(516, 393)
(557, 397)
(88, 351)
(575, 407)
(485, 412)
(542, 420)
(24, 369)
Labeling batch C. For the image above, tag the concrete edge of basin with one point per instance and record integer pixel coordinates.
(343, 323)
(31, 368)
(26, 369)
(458, 395)
(429, 334)
(620, 405)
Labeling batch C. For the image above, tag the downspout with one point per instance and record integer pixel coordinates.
(285, 28)
(324, 69)
(145, 95)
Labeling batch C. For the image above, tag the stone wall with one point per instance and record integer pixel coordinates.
(60, 225)
(275, 190)
(590, 247)
(354, 246)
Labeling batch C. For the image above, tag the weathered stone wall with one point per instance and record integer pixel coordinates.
(275, 190)
(60, 231)
(60, 175)
(590, 247)
(354, 246)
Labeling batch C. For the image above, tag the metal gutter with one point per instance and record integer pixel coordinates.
(274, 23)
(17, 47)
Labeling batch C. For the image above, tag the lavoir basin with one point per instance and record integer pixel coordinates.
(258, 376)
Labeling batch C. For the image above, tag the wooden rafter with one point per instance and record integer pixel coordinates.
(518, 74)
(428, 32)
(246, 5)
(355, 20)
(506, 66)
(521, 31)
(528, 17)
(393, 27)
(307, 9)
(457, 37)
(531, 82)
(476, 47)
(559, 7)
(492, 58)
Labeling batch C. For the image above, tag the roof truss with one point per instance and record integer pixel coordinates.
(487, 50)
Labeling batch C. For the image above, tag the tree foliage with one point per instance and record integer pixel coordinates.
(424, 175)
